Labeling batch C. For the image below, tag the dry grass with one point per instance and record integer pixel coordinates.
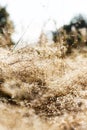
(41, 89)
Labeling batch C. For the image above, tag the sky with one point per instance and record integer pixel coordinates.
(30, 16)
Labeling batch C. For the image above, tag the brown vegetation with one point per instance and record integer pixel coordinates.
(44, 87)
(47, 89)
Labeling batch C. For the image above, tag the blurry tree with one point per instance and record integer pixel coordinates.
(6, 28)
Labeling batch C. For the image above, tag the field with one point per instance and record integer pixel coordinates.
(44, 86)
(41, 89)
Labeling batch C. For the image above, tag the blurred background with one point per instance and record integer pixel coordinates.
(30, 17)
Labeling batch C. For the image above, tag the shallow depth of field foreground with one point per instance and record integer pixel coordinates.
(42, 89)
